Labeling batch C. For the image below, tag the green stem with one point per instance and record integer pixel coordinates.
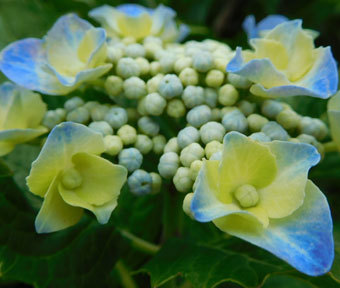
(125, 277)
(330, 147)
(140, 244)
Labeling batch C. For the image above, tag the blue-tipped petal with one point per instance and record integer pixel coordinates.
(132, 10)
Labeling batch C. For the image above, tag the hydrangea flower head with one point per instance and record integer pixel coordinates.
(285, 62)
(260, 192)
(21, 113)
(72, 52)
(71, 177)
(132, 20)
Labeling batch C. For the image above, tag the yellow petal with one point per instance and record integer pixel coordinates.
(334, 118)
(136, 27)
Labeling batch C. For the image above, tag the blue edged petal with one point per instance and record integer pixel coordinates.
(132, 10)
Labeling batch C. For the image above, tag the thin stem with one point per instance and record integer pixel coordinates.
(330, 147)
(125, 277)
(140, 244)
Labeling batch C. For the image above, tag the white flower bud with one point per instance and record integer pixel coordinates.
(159, 142)
(187, 136)
(116, 117)
(187, 205)
(154, 104)
(220, 63)
(238, 81)
(102, 127)
(193, 96)
(156, 183)
(171, 146)
(127, 67)
(214, 78)
(203, 61)
(130, 158)
(114, 54)
(167, 62)
(144, 66)
(256, 122)
(128, 134)
(314, 127)
(148, 126)
(79, 115)
(226, 110)
(199, 115)
(90, 105)
(143, 144)
(140, 182)
(190, 153)
(176, 108)
(113, 144)
(134, 88)
(141, 107)
(51, 119)
(153, 40)
(189, 76)
(170, 86)
(195, 168)
(73, 103)
(134, 50)
(275, 131)
(182, 63)
(247, 196)
(98, 112)
(210, 96)
(213, 147)
(151, 49)
(155, 68)
(235, 121)
(128, 40)
(271, 108)
(227, 95)
(260, 136)
(308, 139)
(113, 86)
(246, 107)
(182, 180)
(168, 165)
(153, 83)
(212, 131)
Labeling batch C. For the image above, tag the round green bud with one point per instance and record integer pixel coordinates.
(260, 137)
(155, 68)
(308, 139)
(153, 83)
(213, 147)
(235, 121)
(127, 67)
(202, 61)
(195, 168)
(134, 88)
(190, 153)
(238, 81)
(113, 86)
(134, 50)
(212, 131)
(90, 105)
(227, 95)
(128, 134)
(176, 108)
(314, 127)
(172, 145)
(148, 126)
(275, 131)
(114, 54)
(51, 119)
(256, 122)
(128, 40)
(182, 63)
(116, 117)
(167, 62)
(182, 180)
(71, 179)
(62, 113)
(159, 142)
(143, 143)
(130, 158)
(153, 40)
(187, 136)
(151, 49)
(187, 205)
(141, 107)
(271, 108)
(170, 86)
(168, 165)
(288, 119)
(210, 96)
(193, 96)
(140, 182)
(226, 110)
(214, 78)
(220, 63)
(246, 107)
(247, 196)
(144, 66)
(79, 115)
(113, 144)
(154, 104)
(102, 127)
(156, 183)
(73, 103)
(189, 76)
(99, 112)
(199, 115)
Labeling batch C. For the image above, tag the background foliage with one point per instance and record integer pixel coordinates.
(194, 255)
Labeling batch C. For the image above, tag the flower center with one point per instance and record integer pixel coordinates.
(71, 179)
(247, 196)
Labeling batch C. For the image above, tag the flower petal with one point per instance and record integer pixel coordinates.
(133, 10)
(65, 140)
(55, 214)
(102, 180)
(334, 117)
(286, 193)
(161, 16)
(303, 239)
(107, 16)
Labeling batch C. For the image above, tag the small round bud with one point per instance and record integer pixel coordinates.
(187, 136)
(113, 86)
(127, 67)
(193, 96)
(90, 105)
(102, 127)
(227, 95)
(134, 50)
(114, 54)
(141, 107)
(238, 81)
(153, 40)
(199, 115)
(176, 108)
(154, 104)
(246, 107)
(195, 168)
(143, 144)
(170, 86)
(130, 158)
(61, 112)
(168, 165)
(226, 110)
(116, 117)
(308, 139)
(212, 131)
(260, 136)
(51, 119)
(99, 112)
(156, 183)
(189, 76)
(275, 131)
(128, 40)
(113, 145)
(151, 49)
(247, 196)
(214, 78)
(171, 146)
(71, 179)
(182, 63)
(235, 121)
(202, 61)
(288, 119)
(256, 122)
(187, 205)
(213, 147)
(153, 83)
(271, 108)
(134, 88)
(144, 66)
(210, 96)
(140, 182)
(182, 180)
(155, 68)
(192, 152)
(159, 142)
(73, 103)
(128, 134)
(220, 63)
(314, 127)
(79, 115)
(167, 62)
(216, 115)
(148, 126)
